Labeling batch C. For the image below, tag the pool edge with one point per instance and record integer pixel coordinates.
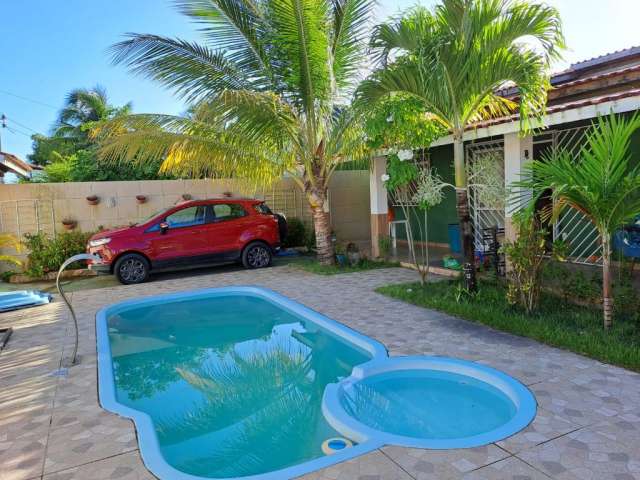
(146, 436)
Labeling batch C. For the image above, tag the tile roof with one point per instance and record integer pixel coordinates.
(563, 107)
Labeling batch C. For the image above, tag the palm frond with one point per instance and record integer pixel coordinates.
(8, 241)
(194, 71)
(236, 27)
(301, 34)
(464, 51)
(350, 27)
(189, 148)
(602, 183)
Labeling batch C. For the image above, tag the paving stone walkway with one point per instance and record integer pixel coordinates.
(587, 427)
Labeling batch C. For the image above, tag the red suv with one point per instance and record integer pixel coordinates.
(195, 233)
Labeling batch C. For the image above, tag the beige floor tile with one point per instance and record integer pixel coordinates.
(372, 466)
(441, 464)
(127, 466)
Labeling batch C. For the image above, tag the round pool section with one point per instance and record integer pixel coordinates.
(428, 402)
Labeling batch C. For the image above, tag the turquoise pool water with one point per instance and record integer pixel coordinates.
(244, 383)
(428, 404)
(233, 385)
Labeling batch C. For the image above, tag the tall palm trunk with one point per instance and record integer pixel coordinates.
(317, 198)
(462, 208)
(607, 298)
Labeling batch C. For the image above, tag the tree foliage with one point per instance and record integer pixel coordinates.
(603, 183)
(70, 154)
(268, 89)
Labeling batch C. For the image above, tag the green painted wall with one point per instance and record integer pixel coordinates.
(441, 215)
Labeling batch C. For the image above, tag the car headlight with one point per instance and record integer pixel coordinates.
(99, 241)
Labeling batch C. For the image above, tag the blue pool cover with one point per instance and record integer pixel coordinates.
(22, 299)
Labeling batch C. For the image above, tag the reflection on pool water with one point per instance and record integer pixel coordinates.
(242, 382)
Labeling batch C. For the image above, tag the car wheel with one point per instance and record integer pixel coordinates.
(131, 268)
(256, 255)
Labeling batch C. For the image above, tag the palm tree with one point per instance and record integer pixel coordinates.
(455, 59)
(603, 184)
(268, 90)
(82, 107)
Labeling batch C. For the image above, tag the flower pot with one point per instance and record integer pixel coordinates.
(186, 196)
(141, 199)
(69, 224)
(93, 200)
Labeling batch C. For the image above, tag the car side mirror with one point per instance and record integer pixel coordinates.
(164, 226)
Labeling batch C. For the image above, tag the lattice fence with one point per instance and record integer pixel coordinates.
(27, 216)
(291, 202)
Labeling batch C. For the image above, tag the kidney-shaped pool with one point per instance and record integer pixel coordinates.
(242, 382)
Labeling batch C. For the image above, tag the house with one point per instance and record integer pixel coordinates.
(581, 93)
(11, 163)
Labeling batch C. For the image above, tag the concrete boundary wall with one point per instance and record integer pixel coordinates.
(29, 208)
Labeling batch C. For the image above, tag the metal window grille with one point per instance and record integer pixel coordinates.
(573, 227)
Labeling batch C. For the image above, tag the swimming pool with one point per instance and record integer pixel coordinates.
(241, 382)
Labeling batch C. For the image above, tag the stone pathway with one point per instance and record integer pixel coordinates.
(587, 427)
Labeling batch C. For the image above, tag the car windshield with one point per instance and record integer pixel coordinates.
(145, 220)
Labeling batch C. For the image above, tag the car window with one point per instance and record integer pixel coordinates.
(227, 211)
(186, 217)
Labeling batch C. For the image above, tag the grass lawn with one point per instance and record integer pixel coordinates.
(312, 265)
(557, 323)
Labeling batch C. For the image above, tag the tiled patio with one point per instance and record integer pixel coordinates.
(587, 428)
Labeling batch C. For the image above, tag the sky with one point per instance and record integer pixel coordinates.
(49, 47)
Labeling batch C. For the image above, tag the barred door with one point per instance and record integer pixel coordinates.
(485, 174)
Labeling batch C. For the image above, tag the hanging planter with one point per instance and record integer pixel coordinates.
(93, 200)
(141, 199)
(186, 196)
(69, 224)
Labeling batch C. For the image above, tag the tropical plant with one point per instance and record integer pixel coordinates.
(8, 241)
(81, 109)
(526, 256)
(47, 254)
(603, 184)
(70, 155)
(456, 58)
(268, 91)
(296, 233)
(415, 190)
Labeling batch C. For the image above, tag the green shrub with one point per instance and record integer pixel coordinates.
(384, 245)
(626, 301)
(579, 286)
(296, 233)
(310, 240)
(47, 254)
(526, 256)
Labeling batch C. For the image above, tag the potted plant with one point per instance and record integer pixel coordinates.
(93, 200)
(341, 257)
(353, 253)
(141, 199)
(69, 224)
(186, 196)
